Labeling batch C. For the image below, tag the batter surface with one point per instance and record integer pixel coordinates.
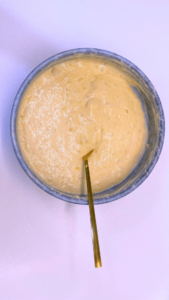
(72, 108)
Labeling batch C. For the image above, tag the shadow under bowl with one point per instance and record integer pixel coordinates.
(153, 113)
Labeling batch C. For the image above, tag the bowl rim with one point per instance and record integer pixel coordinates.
(76, 199)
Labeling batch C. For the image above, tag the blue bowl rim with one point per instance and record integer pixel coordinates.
(52, 191)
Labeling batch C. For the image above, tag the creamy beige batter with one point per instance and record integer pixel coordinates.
(72, 108)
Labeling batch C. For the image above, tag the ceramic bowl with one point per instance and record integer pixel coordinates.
(153, 113)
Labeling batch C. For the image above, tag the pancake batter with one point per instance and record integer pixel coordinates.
(72, 108)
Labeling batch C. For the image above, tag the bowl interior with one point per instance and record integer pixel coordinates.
(153, 113)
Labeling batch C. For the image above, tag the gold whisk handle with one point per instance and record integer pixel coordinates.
(96, 248)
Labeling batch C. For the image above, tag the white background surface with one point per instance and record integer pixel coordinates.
(45, 244)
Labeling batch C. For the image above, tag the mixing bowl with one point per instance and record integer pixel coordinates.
(154, 115)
